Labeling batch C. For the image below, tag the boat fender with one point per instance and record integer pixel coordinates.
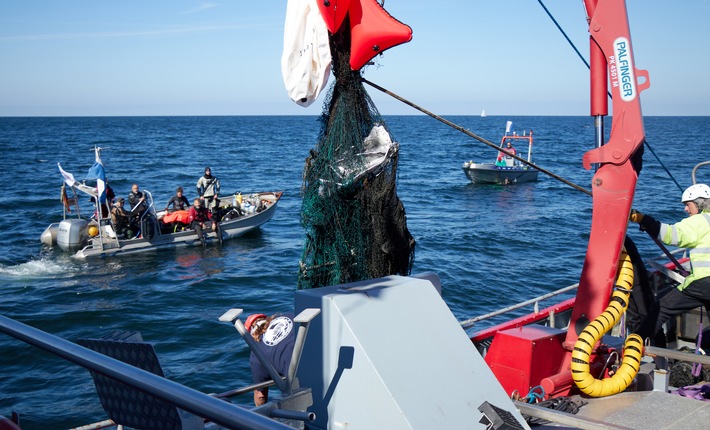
(49, 236)
(93, 231)
(633, 347)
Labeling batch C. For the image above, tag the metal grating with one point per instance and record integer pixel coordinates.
(126, 405)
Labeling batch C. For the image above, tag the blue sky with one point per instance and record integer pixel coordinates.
(182, 57)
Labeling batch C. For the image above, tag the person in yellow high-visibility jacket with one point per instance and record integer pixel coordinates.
(692, 233)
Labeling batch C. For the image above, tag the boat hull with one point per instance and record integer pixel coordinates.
(489, 173)
(105, 246)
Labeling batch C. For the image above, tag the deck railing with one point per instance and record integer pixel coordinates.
(209, 407)
(534, 301)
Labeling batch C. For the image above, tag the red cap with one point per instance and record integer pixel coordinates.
(250, 320)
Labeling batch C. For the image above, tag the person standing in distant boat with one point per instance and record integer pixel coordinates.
(275, 337)
(208, 189)
(505, 159)
(178, 202)
(199, 217)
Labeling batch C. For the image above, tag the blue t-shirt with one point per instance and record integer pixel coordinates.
(277, 345)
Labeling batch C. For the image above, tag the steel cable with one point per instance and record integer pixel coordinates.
(475, 136)
(586, 63)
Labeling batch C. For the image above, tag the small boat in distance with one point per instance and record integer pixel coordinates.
(483, 113)
(506, 170)
(96, 236)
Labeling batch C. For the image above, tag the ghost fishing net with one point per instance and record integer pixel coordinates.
(355, 224)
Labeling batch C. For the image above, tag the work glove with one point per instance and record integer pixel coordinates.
(636, 216)
(646, 223)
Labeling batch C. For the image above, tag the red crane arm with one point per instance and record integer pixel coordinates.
(614, 183)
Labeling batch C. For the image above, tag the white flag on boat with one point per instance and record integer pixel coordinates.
(98, 172)
(68, 177)
(508, 126)
(97, 151)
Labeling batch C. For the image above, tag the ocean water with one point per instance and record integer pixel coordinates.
(491, 245)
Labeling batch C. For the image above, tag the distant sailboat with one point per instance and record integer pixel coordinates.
(483, 113)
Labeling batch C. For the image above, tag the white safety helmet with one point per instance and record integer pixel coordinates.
(694, 192)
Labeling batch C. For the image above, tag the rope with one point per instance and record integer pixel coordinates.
(664, 167)
(608, 92)
(493, 145)
(579, 54)
(697, 367)
(479, 138)
(534, 396)
(562, 404)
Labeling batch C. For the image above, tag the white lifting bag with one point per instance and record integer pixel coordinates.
(306, 60)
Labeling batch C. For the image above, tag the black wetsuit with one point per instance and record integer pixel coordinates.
(178, 203)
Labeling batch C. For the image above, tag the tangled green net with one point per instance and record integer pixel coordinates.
(355, 224)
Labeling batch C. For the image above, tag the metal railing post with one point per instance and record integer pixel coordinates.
(183, 397)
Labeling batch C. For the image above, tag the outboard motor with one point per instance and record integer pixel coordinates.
(72, 234)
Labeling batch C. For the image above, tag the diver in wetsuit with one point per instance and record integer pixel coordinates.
(208, 189)
(179, 202)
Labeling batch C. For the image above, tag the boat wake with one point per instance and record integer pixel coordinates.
(41, 268)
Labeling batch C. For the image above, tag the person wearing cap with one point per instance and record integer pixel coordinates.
(199, 217)
(208, 189)
(692, 232)
(275, 337)
(121, 219)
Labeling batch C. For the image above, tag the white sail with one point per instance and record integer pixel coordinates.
(483, 113)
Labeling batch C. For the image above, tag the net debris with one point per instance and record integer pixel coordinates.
(355, 224)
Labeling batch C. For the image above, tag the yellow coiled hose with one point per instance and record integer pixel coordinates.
(633, 347)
